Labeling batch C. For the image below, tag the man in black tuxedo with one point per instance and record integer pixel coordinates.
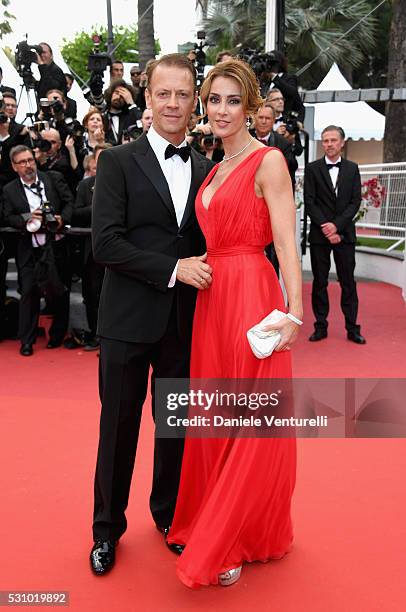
(332, 195)
(121, 112)
(23, 198)
(146, 234)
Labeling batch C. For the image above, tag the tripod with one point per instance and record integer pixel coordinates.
(28, 87)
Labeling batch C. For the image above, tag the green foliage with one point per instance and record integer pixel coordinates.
(5, 27)
(75, 52)
(311, 26)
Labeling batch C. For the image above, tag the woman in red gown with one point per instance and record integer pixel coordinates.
(235, 493)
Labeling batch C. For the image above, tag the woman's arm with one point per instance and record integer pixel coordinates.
(273, 181)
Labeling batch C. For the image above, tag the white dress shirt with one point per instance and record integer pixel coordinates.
(34, 202)
(333, 171)
(178, 175)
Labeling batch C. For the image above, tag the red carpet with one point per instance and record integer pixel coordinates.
(349, 504)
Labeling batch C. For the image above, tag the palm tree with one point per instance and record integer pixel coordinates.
(395, 128)
(146, 40)
(311, 26)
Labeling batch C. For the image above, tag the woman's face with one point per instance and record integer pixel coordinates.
(224, 107)
(94, 122)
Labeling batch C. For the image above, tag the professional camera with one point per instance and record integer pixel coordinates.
(51, 108)
(291, 122)
(49, 223)
(96, 64)
(131, 133)
(263, 63)
(25, 55)
(210, 140)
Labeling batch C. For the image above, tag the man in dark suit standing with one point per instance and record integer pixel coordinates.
(332, 195)
(23, 199)
(146, 234)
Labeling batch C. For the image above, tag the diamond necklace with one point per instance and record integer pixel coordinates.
(226, 159)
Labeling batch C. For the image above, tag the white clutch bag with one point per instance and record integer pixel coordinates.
(263, 343)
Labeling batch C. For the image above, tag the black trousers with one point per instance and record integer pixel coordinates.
(8, 248)
(92, 281)
(30, 296)
(344, 257)
(123, 381)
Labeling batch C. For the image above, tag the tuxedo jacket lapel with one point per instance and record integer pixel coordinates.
(198, 176)
(148, 163)
(326, 176)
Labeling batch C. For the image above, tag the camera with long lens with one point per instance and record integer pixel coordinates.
(290, 119)
(96, 64)
(131, 133)
(49, 222)
(37, 142)
(25, 55)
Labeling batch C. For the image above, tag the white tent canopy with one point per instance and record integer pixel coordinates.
(358, 120)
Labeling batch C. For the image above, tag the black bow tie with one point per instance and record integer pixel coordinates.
(184, 152)
(337, 165)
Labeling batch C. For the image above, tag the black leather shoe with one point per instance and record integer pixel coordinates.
(318, 335)
(26, 350)
(357, 338)
(175, 548)
(103, 556)
(54, 344)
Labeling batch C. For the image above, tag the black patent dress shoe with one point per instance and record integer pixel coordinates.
(54, 344)
(357, 338)
(103, 556)
(26, 350)
(318, 335)
(175, 548)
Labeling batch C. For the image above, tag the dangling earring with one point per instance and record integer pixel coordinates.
(248, 122)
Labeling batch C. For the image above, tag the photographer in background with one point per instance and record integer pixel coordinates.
(60, 158)
(11, 134)
(146, 119)
(279, 78)
(121, 112)
(52, 77)
(4, 88)
(93, 273)
(39, 204)
(116, 71)
(94, 135)
(71, 106)
(286, 124)
(224, 56)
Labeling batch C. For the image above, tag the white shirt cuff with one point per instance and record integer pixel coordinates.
(172, 280)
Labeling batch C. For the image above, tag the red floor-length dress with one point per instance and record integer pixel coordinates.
(235, 494)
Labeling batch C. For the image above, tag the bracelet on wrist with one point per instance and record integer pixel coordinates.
(292, 317)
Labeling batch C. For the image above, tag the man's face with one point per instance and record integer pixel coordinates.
(10, 107)
(146, 119)
(54, 138)
(277, 101)
(117, 71)
(332, 144)
(117, 101)
(135, 74)
(24, 165)
(91, 170)
(172, 97)
(46, 54)
(264, 121)
(69, 83)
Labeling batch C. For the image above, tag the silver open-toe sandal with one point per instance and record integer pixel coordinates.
(228, 578)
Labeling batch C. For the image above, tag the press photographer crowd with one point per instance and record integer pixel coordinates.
(48, 169)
